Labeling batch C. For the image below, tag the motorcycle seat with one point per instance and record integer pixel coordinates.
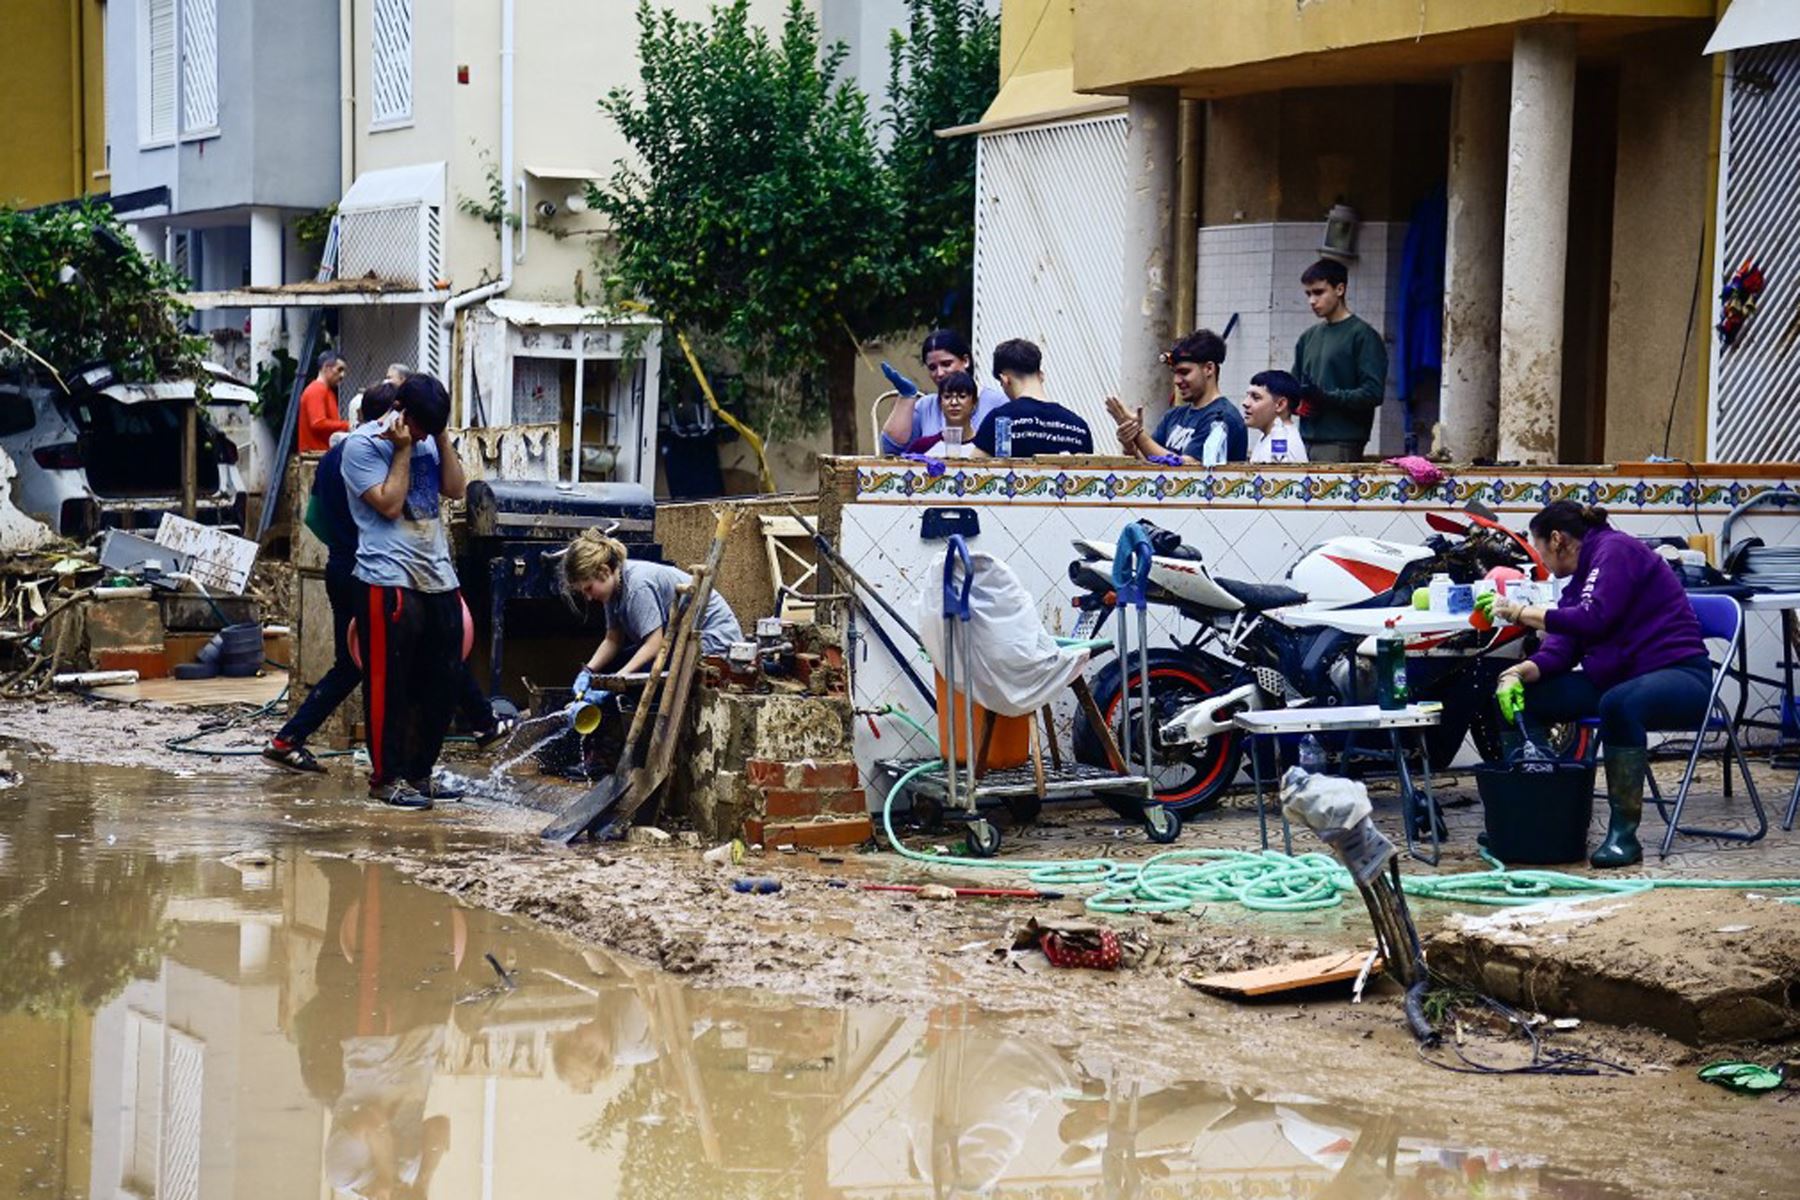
(1260, 597)
(1183, 553)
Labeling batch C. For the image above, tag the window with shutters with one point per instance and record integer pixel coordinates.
(391, 63)
(156, 72)
(199, 67)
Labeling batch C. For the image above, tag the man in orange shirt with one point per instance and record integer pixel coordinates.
(320, 416)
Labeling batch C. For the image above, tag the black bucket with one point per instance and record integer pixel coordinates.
(1537, 810)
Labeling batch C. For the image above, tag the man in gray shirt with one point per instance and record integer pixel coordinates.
(397, 471)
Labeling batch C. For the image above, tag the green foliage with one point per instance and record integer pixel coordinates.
(757, 215)
(494, 209)
(942, 73)
(275, 387)
(314, 228)
(75, 289)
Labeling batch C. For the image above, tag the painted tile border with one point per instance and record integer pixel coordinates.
(1099, 486)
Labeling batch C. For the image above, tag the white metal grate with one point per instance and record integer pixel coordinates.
(371, 337)
(1756, 380)
(156, 91)
(1049, 244)
(199, 66)
(181, 1129)
(386, 243)
(391, 65)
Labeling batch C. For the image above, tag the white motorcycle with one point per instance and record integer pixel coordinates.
(1254, 646)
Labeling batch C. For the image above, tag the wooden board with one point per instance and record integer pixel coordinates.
(1308, 972)
(200, 693)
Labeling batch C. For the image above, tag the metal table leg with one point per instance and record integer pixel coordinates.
(1410, 807)
(1262, 817)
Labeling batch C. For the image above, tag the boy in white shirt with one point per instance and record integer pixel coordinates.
(1270, 410)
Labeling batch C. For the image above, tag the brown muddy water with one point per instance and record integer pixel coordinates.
(201, 997)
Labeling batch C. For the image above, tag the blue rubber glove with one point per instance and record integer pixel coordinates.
(933, 466)
(584, 683)
(1164, 460)
(906, 387)
(1510, 695)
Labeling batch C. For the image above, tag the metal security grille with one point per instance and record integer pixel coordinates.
(386, 243)
(391, 65)
(371, 337)
(156, 93)
(1049, 238)
(199, 66)
(1756, 380)
(181, 1129)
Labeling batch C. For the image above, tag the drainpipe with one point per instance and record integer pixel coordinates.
(347, 89)
(457, 303)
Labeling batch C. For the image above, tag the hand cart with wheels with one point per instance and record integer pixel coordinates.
(964, 786)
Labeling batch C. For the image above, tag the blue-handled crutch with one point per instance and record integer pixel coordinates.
(956, 615)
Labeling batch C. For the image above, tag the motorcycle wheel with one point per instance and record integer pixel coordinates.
(1189, 779)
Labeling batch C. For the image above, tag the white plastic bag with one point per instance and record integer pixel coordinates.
(1016, 667)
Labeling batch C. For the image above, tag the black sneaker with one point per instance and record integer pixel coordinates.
(437, 789)
(503, 729)
(292, 757)
(399, 795)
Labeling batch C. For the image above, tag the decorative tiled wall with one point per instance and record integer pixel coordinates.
(1249, 525)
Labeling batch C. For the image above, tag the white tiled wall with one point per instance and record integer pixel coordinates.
(883, 540)
(1254, 272)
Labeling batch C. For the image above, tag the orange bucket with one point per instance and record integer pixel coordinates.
(1009, 746)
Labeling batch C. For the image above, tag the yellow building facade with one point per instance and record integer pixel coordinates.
(1572, 147)
(53, 91)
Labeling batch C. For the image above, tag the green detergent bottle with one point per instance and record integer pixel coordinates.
(1390, 669)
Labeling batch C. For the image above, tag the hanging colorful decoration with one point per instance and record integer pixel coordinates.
(1737, 302)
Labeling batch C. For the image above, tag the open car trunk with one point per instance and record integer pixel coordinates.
(134, 449)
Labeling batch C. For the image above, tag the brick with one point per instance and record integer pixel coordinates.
(766, 773)
(838, 831)
(787, 802)
(852, 801)
(835, 776)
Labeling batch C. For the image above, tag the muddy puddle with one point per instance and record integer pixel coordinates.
(201, 997)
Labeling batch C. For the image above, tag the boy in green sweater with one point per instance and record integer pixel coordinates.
(1342, 363)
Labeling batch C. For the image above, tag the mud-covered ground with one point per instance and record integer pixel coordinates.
(824, 939)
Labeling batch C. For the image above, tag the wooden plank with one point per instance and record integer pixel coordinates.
(1308, 972)
(200, 693)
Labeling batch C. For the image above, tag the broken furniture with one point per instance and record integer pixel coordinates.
(520, 529)
(1416, 803)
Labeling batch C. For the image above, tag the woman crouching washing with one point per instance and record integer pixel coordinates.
(1626, 622)
(637, 598)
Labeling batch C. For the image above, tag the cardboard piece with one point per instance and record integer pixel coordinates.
(1286, 977)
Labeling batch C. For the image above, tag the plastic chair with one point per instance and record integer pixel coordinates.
(1722, 620)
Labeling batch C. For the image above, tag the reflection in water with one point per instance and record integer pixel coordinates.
(315, 1027)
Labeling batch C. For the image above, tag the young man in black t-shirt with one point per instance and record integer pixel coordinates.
(1027, 425)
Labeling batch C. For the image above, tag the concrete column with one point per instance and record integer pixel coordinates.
(1151, 148)
(1470, 414)
(265, 270)
(1535, 258)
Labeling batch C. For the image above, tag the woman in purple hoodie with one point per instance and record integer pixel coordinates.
(1625, 621)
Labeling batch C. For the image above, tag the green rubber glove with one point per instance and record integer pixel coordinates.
(1510, 695)
(1484, 604)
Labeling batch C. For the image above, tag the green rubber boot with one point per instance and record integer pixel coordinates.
(1625, 768)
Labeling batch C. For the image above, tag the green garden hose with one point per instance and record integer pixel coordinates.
(1268, 880)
